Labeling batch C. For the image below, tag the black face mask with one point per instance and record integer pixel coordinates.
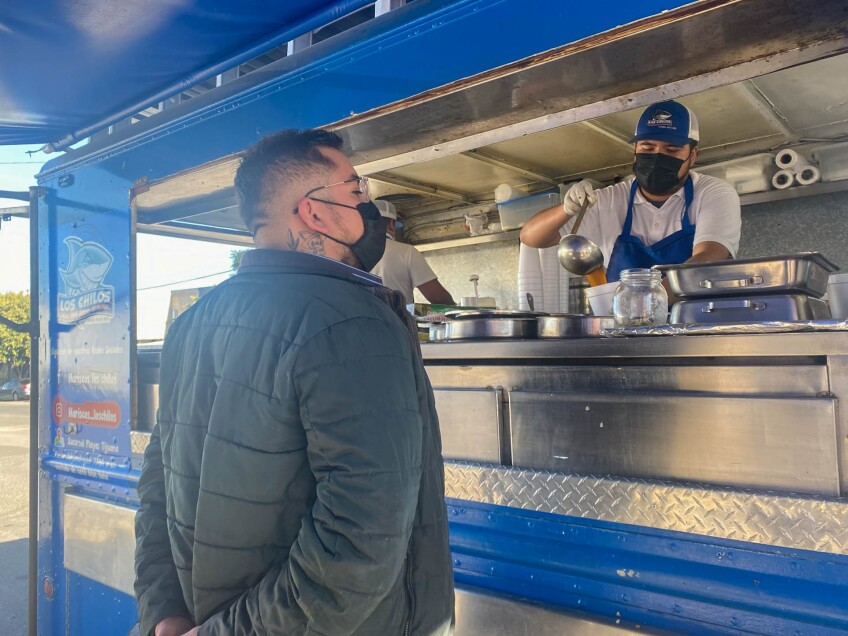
(371, 245)
(657, 173)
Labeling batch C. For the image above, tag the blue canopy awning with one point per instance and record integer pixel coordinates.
(71, 67)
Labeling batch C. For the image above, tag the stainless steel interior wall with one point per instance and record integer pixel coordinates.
(817, 223)
(495, 263)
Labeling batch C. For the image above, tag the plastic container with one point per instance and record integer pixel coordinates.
(600, 298)
(640, 300)
(746, 174)
(837, 292)
(514, 214)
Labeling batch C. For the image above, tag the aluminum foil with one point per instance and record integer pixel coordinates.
(728, 328)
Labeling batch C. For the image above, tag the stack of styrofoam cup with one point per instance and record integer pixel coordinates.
(551, 272)
(565, 292)
(530, 278)
(600, 298)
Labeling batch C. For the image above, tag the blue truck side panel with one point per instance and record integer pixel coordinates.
(658, 579)
(97, 609)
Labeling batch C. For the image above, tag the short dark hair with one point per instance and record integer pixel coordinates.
(277, 161)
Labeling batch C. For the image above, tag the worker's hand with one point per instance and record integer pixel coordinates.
(577, 194)
(174, 626)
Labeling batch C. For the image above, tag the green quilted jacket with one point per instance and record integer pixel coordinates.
(294, 481)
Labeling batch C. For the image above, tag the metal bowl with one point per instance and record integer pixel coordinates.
(573, 325)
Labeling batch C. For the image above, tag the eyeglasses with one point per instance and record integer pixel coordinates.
(362, 190)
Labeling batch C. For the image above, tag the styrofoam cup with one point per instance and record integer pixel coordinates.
(600, 298)
(837, 292)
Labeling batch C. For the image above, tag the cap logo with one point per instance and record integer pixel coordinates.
(661, 118)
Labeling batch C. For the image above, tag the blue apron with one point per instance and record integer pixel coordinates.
(629, 251)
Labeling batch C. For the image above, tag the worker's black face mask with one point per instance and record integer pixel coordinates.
(657, 173)
(369, 248)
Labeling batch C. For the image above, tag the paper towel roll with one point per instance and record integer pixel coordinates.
(505, 192)
(782, 179)
(808, 175)
(790, 160)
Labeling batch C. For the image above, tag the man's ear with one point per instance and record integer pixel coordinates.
(312, 215)
(694, 157)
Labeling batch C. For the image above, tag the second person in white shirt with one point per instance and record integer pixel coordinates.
(404, 268)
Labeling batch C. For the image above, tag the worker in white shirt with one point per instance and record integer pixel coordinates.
(665, 215)
(403, 268)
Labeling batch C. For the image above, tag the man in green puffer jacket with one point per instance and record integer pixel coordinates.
(294, 481)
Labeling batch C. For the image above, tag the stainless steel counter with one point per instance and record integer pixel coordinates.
(735, 346)
(640, 430)
(733, 436)
(751, 411)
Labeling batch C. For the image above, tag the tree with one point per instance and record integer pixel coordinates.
(235, 258)
(14, 345)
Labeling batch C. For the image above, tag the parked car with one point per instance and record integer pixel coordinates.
(15, 390)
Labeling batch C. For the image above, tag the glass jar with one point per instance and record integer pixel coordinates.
(640, 300)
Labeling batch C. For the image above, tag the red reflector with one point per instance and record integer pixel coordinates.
(49, 590)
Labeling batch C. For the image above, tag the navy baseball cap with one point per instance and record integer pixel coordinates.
(667, 121)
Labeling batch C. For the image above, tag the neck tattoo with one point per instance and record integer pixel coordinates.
(307, 241)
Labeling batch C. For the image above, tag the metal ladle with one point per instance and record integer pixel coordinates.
(576, 253)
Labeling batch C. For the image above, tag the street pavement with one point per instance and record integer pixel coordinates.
(14, 493)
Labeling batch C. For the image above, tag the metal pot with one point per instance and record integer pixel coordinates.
(573, 325)
(578, 301)
(487, 328)
(438, 331)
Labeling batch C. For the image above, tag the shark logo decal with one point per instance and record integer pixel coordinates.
(86, 297)
(661, 118)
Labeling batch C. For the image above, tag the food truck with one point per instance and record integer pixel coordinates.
(681, 481)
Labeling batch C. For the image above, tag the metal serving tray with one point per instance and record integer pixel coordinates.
(487, 328)
(804, 273)
(785, 307)
(573, 325)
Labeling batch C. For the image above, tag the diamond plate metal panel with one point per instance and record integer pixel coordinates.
(809, 523)
(138, 442)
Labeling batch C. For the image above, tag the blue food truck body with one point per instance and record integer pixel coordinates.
(427, 78)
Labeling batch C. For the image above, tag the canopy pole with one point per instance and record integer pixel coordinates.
(333, 12)
(34, 400)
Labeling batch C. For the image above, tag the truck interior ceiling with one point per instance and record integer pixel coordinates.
(803, 107)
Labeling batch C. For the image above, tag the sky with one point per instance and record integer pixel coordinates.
(163, 262)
